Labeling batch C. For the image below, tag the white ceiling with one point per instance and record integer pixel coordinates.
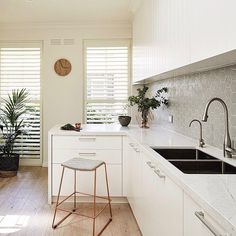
(76, 11)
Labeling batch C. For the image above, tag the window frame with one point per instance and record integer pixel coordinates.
(103, 43)
(28, 44)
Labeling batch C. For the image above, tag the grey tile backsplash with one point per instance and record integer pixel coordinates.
(188, 96)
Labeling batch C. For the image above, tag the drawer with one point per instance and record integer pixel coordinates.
(87, 142)
(109, 156)
(85, 180)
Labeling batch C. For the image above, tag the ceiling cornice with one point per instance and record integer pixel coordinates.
(65, 25)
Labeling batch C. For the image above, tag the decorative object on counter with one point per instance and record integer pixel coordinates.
(201, 140)
(62, 67)
(71, 127)
(78, 125)
(145, 104)
(12, 127)
(124, 120)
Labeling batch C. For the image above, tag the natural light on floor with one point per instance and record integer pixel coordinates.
(12, 223)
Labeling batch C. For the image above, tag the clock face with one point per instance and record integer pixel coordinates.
(62, 67)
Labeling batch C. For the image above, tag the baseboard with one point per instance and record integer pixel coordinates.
(30, 162)
(84, 199)
(45, 164)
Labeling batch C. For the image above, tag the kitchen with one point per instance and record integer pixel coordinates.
(185, 46)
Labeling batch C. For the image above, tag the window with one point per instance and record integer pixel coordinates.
(107, 74)
(20, 68)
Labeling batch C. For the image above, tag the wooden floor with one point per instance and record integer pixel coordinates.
(24, 210)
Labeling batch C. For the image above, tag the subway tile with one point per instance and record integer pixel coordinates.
(188, 96)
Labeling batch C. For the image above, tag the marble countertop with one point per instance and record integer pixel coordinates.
(216, 194)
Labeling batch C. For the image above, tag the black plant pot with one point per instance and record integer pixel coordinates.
(9, 165)
(124, 120)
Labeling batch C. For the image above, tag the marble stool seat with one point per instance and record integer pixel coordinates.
(81, 164)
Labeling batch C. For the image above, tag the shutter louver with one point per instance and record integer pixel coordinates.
(20, 68)
(107, 78)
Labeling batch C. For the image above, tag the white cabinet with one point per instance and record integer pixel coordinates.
(169, 36)
(154, 198)
(160, 38)
(85, 181)
(133, 176)
(162, 201)
(197, 222)
(172, 34)
(144, 47)
(212, 25)
(106, 148)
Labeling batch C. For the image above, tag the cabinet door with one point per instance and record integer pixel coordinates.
(144, 52)
(173, 36)
(85, 180)
(193, 225)
(211, 27)
(162, 202)
(134, 176)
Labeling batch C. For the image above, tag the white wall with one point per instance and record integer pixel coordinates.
(62, 97)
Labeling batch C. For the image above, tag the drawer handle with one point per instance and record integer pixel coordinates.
(132, 144)
(158, 172)
(150, 164)
(136, 150)
(200, 216)
(87, 154)
(84, 139)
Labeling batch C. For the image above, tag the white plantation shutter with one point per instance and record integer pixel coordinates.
(107, 75)
(20, 68)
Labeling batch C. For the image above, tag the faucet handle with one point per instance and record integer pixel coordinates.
(201, 142)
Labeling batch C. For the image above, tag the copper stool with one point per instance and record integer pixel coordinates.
(80, 164)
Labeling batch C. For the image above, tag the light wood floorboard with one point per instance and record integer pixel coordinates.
(23, 199)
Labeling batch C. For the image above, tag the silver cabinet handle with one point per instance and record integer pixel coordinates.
(158, 172)
(87, 154)
(131, 144)
(136, 150)
(200, 216)
(150, 164)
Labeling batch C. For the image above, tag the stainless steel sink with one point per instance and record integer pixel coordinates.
(193, 161)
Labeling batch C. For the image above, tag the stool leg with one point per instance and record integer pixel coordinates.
(94, 201)
(108, 193)
(74, 191)
(58, 196)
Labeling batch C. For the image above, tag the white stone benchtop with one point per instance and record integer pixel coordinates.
(215, 193)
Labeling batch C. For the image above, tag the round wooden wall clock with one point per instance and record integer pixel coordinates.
(62, 67)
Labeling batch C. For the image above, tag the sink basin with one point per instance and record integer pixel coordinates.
(183, 154)
(193, 161)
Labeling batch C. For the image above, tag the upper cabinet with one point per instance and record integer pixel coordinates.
(172, 37)
(144, 42)
(212, 28)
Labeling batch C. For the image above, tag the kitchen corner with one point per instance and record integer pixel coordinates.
(214, 194)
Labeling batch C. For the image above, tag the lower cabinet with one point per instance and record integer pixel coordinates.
(105, 148)
(85, 180)
(197, 222)
(156, 201)
(162, 202)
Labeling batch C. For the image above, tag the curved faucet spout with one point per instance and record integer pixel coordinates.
(201, 140)
(227, 140)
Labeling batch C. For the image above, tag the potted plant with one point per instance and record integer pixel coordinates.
(145, 104)
(12, 126)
